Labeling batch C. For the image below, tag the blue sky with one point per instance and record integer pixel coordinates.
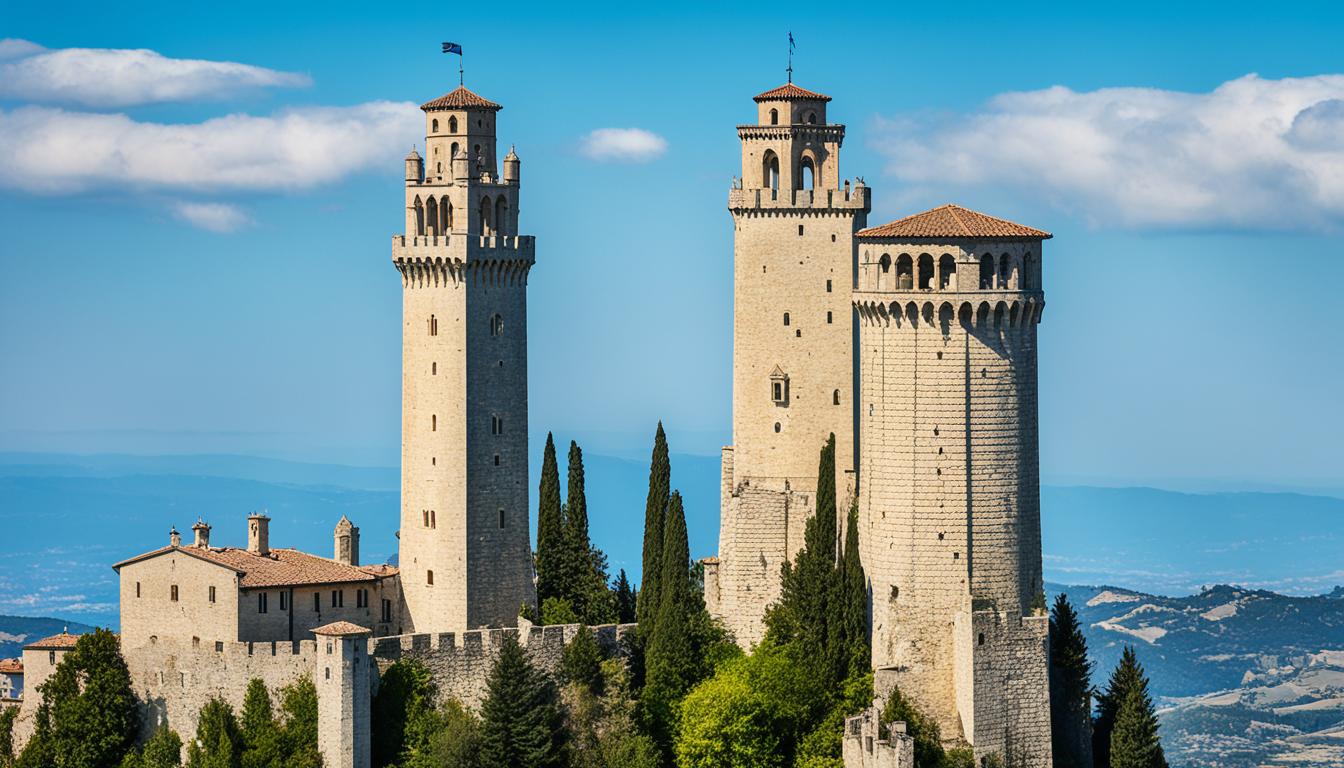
(194, 256)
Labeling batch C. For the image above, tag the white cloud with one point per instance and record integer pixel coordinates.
(1253, 153)
(216, 217)
(51, 150)
(623, 145)
(111, 77)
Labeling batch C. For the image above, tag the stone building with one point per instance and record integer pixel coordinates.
(466, 558)
(11, 680)
(39, 661)
(215, 595)
(914, 343)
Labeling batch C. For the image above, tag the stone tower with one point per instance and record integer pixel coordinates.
(465, 557)
(794, 223)
(947, 306)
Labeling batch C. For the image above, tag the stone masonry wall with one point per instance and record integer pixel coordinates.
(1011, 687)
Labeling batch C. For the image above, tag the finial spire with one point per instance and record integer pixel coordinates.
(790, 67)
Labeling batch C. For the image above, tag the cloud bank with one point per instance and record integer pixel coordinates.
(216, 217)
(1251, 154)
(631, 145)
(51, 150)
(105, 78)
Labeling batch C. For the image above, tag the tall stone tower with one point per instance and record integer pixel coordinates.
(794, 223)
(950, 531)
(465, 557)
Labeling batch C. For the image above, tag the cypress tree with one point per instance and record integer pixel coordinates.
(854, 600)
(1070, 688)
(298, 732)
(88, 716)
(1134, 740)
(260, 735)
(218, 743)
(585, 566)
(1127, 675)
(655, 513)
(672, 661)
(625, 599)
(809, 586)
(521, 725)
(576, 499)
(550, 528)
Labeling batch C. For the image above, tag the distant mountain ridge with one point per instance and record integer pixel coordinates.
(18, 631)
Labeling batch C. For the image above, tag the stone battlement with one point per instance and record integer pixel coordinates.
(766, 201)
(479, 247)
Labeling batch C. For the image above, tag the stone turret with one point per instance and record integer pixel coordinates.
(347, 542)
(511, 167)
(258, 534)
(174, 538)
(342, 677)
(415, 166)
(202, 531)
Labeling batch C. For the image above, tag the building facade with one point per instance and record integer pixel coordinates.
(465, 555)
(794, 225)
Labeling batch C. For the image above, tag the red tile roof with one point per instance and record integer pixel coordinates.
(791, 92)
(11, 666)
(55, 642)
(460, 98)
(342, 628)
(278, 568)
(955, 222)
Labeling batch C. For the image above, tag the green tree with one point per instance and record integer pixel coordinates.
(453, 742)
(550, 529)
(625, 599)
(1134, 738)
(521, 723)
(923, 729)
(1070, 688)
(163, 750)
(218, 742)
(586, 566)
(298, 729)
(673, 663)
(7, 717)
(655, 513)
(1126, 675)
(854, 636)
(405, 694)
(581, 661)
(88, 716)
(558, 610)
(261, 734)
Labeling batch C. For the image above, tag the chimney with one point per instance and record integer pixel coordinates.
(174, 538)
(202, 531)
(347, 542)
(258, 534)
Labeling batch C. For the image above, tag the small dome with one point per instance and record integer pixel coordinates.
(413, 155)
(511, 156)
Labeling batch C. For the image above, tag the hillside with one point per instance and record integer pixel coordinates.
(18, 631)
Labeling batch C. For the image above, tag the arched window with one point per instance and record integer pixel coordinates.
(835, 397)
(807, 179)
(1004, 271)
(419, 216)
(774, 117)
(770, 170)
(986, 272)
(947, 272)
(811, 118)
(786, 318)
(884, 265)
(452, 125)
(432, 216)
(446, 216)
(434, 126)
(486, 211)
(925, 272)
(501, 214)
(905, 273)
(496, 324)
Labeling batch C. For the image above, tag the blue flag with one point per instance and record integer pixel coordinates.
(452, 48)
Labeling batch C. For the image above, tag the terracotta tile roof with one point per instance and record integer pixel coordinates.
(11, 666)
(791, 92)
(342, 628)
(460, 98)
(55, 642)
(278, 568)
(955, 222)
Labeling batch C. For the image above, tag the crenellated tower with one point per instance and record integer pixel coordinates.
(947, 305)
(465, 556)
(794, 222)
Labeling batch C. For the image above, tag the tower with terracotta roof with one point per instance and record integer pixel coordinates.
(947, 304)
(794, 221)
(464, 554)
